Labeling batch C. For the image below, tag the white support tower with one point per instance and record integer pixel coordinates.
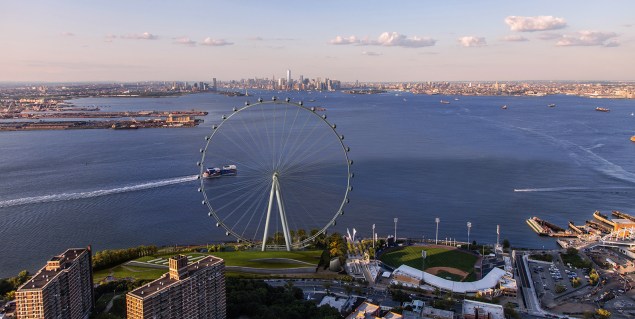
(275, 192)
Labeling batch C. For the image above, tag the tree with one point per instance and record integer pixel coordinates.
(348, 289)
(603, 313)
(506, 244)
(510, 311)
(327, 285)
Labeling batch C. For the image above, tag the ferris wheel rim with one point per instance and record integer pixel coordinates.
(300, 105)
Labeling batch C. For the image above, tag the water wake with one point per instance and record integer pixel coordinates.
(573, 189)
(101, 192)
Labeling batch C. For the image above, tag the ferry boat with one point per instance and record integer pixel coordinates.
(445, 102)
(551, 105)
(226, 170)
(602, 109)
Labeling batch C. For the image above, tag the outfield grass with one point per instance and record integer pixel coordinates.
(436, 257)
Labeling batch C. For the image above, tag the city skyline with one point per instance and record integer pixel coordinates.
(411, 41)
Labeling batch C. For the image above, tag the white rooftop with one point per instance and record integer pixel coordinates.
(489, 281)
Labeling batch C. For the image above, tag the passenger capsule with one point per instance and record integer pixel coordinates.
(247, 103)
(334, 126)
(301, 103)
(312, 109)
(200, 189)
(273, 98)
(324, 116)
(207, 138)
(234, 109)
(198, 163)
(217, 224)
(224, 117)
(227, 233)
(260, 99)
(203, 202)
(287, 100)
(341, 137)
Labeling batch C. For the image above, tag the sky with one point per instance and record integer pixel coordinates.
(396, 41)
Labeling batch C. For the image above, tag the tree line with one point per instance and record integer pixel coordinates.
(112, 257)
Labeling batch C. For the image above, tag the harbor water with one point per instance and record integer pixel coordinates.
(414, 159)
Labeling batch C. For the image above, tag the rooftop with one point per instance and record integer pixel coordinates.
(165, 281)
(44, 276)
(495, 311)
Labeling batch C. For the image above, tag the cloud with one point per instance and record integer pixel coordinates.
(140, 36)
(184, 41)
(215, 42)
(539, 23)
(342, 40)
(67, 34)
(588, 38)
(514, 38)
(371, 53)
(470, 41)
(388, 39)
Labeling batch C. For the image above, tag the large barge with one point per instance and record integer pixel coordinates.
(621, 215)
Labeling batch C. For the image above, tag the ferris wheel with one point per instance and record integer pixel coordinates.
(275, 174)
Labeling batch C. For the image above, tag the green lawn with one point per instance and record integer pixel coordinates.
(257, 259)
(436, 257)
(253, 259)
(122, 271)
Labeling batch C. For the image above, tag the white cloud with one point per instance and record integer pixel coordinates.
(343, 40)
(588, 38)
(514, 38)
(140, 36)
(470, 41)
(184, 41)
(388, 39)
(539, 23)
(371, 53)
(68, 34)
(215, 42)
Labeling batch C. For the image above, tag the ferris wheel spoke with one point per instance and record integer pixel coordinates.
(242, 199)
(257, 206)
(286, 140)
(301, 140)
(308, 151)
(252, 164)
(250, 210)
(258, 145)
(251, 148)
(241, 187)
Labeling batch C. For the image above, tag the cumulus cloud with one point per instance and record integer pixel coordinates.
(470, 41)
(215, 42)
(539, 23)
(140, 36)
(344, 40)
(388, 39)
(68, 34)
(371, 53)
(184, 41)
(588, 38)
(514, 38)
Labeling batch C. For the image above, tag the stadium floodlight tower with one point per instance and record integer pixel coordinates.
(436, 239)
(469, 226)
(396, 219)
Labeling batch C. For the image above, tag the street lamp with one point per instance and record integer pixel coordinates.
(469, 225)
(373, 237)
(436, 239)
(396, 230)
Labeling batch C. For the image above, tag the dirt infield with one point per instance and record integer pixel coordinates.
(458, 272)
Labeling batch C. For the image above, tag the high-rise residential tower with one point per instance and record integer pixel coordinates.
(61, 289)
(196, 290)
